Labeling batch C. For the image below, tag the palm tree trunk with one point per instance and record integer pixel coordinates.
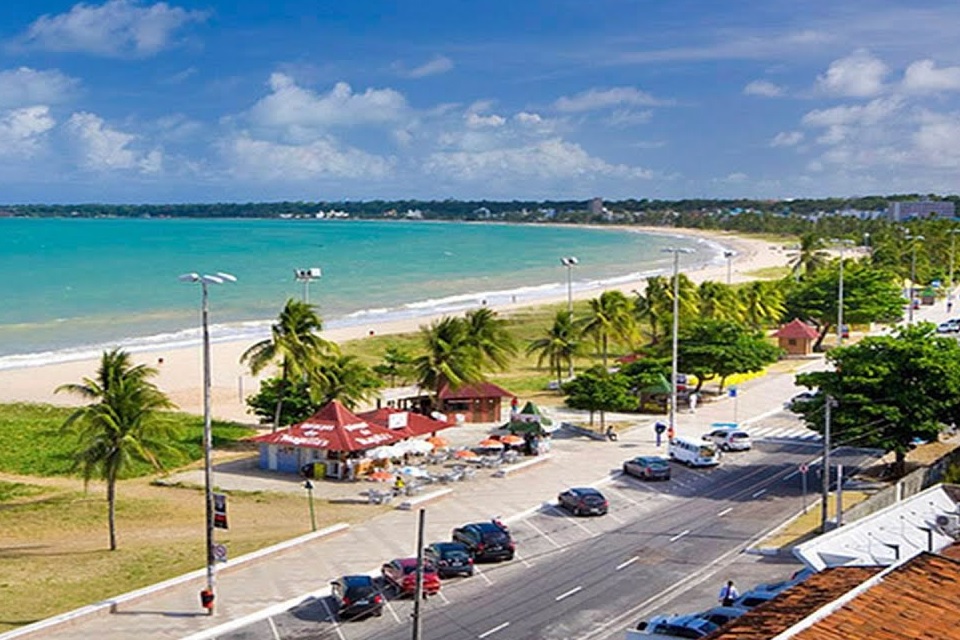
(112, 511)
(280, 389)
(604, 350)
(559, 375)
(603, 421)
(818, 345)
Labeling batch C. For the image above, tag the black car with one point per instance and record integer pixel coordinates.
(584, 501)
(450, 559)
(356, 597)
(486, 541)
(648, 468)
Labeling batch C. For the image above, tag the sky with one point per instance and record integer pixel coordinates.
(134, 101)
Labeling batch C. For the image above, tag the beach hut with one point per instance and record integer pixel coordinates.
(480, 402)
(330, 441)
(797, 337)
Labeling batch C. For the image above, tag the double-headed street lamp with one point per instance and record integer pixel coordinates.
(306, 276)
(570, 262)
(728, 254)
(914, 240)
(207, 596)
(676, 331)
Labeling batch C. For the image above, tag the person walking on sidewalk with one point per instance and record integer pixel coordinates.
(728, 593)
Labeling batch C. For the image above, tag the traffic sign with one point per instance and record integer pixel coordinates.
(219, 553)
(804, 467)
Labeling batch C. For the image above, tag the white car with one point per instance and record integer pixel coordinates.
(949, 326)
(730, 439)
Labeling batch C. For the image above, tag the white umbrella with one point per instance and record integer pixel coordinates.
(414, 472)
(420, 446)
(384, 453)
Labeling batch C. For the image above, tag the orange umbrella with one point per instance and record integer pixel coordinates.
(490, 443)
(511, 440)
(380, 476)
(465, 453)
(438, 442)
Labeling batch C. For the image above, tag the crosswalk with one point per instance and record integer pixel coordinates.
(782, 426)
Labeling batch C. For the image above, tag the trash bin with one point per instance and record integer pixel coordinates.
(307, 470)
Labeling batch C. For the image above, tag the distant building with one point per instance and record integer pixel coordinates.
(596, 206)
(898, 211)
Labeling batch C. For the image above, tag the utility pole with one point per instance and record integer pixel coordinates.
(913, 273)
(418, 592)
(842, 244)
(839, 514)
(825, 472)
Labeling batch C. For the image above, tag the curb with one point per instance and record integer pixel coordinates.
(407, 505)
(503, 472)
(111, 604)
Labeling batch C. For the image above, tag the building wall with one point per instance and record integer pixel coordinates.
(796, 346)
(898, 211)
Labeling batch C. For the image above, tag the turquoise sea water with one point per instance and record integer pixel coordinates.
(70, 287)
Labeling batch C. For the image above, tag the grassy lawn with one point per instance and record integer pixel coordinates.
(769, 273)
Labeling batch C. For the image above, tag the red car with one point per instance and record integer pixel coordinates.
(402, 574)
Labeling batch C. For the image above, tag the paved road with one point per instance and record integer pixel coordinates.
(591, 578)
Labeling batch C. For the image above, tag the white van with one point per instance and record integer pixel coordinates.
(693, 453)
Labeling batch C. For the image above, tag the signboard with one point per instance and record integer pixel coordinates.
(732, 392)
(220, 511)
(804, 467)
(219, 553)
(397, 420)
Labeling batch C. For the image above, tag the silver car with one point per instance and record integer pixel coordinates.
(730, 439)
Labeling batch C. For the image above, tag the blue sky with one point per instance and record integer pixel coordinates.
(130, 101)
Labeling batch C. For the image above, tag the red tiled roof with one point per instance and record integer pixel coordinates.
(797, 328)
(471, 391)
(333, 428)
(413, 424)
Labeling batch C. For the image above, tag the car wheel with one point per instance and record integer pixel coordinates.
(724, 447)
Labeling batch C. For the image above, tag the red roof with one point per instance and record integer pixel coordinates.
(333, 428)
(471, 391)
(407, 424)
(797, 328)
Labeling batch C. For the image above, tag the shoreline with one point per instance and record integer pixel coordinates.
(180, 374)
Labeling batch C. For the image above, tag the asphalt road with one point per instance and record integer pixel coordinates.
(591, 578)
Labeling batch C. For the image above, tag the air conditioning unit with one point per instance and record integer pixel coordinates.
(949, 523)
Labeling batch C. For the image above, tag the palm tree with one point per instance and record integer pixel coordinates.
(489, 335)
(810, 255)
(559, 344)
(449, 358)
(653, 307)
(763, 303)
(609, 317)
(118, 425)
(718, 301)
(342, 378)
(395, 366)
(295, 341)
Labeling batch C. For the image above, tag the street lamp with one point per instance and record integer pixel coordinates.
(913, 273)
(306, 276)
(570, 262)
(842, 243)
(676, 330)
(729, 256)
(313, 515)
(204, 280)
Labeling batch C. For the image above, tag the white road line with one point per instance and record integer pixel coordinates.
(523, 560)
(725, 512)
(549, 539)
(336, 623)
(622, 496)
(567, 594)
(759, 493)
(679, 535)
(627, 563)
(494, 630)
(392, 611)
(787, 477)
(443, 597)
(483, 575)
(614, 517)
(276, 632)
(575, 521)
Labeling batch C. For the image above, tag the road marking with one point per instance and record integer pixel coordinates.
(725, 512)
(622, 496)
(525, 562)
(614, 517)
(679, 535)
(549, 539)
(390, 608)
(573, 519)
(759, 493)
(627, 563)
(567, 594)
(443, 597)
(483, 575)
(795, 473)
(336, 623)
(494, 630)
(276, 632)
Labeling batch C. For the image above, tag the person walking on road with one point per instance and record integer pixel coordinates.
(728, 593)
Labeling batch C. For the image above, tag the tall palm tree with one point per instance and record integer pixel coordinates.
(718, 301)
(489, 335)
(118, 425)
(609, 317)
(763, 303)
(558, 345)
(652, 308)
(295, 341)
(395, 366)
(342, 378)
(810, 255)
(448, 358)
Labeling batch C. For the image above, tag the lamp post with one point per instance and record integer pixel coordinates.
(306, 276)
(676, 329)
(913, 273)
(729, 256)
(204, 280)
(313, 515)
(570, 262)
(843, 244)
(866, 243)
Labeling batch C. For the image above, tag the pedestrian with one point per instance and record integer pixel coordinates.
(398, 486)
(693, 402)
(949, 304)
(728, 593)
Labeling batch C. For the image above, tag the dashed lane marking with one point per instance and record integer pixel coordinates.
(679, 535)
(567, 594)
(490, 632)
(627, 563)
(725, 512)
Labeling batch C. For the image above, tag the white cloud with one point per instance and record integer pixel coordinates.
(103, 149)
(261, 160)
(629, 118)
(937, 140)
(26, 86)
(525, 117)
(787, 139)
(294, 108)
(859, 75)
(116, 28)
(594, 99)
(22, 130)
(867, 114)
(433, 67)
(923, 76)
(477, 121)
(763, 88)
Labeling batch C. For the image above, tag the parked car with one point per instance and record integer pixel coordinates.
(584, 501)
(486, 541)
(754, 598)
(356, 597)
(648, 468)
(722, 615)
(730, 439)
(949, 326)
(679, 626)
(796, 578)
(450, 559)
(693, 453)
(800, 398)
(401, 574)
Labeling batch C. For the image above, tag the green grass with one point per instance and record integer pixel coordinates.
(34, 444)
(10, 491)
(769, 273)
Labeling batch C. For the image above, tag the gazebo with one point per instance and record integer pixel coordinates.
(797, 337)
(480, 402)
(329, 440)
(405, 424)
(530, 420)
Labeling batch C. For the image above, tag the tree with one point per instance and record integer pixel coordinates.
(653, 307)
(295, 341)
(721, 348)
(810, 256)
(297, 404)
(718, 301)
(888, 391)
(397, 365)
(558, 345)
(118, 425)
(342, 378)
(489, 336)
(596, 389)
(762, 303)
(609, 317)
(449, 358)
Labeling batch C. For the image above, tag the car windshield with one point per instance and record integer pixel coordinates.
(360, 591)
(656, 463)
(740, 436)
(707, 452)
(592, 498)
(495, 537)
(412, 568)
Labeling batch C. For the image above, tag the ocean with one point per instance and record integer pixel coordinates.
(72, 287)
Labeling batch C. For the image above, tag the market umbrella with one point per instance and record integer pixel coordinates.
(420, 446)
(465, 453)
(414, 472)
(490, 443)
(511, 440)
(438, 442)
(380, 476)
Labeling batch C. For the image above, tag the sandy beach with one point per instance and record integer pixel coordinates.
(181, 370)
